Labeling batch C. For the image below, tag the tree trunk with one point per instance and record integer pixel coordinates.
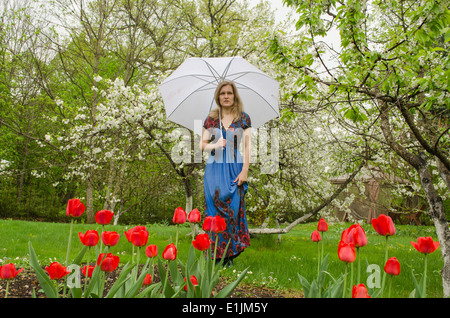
(437, 213)
(435, 202)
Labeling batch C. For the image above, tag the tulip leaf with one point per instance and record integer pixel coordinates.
(80, 255)
(226, 291)
(45, 282)
(121, 280)
(418, 285)
(138, 284)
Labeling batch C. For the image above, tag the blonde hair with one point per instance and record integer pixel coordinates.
(237, 107)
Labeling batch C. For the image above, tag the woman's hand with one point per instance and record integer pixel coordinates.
(221, 143)
(241, 178)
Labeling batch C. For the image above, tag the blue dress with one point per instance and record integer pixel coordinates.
(222, 195)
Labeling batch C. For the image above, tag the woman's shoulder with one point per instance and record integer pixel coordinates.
(210, 122)
(245, 120)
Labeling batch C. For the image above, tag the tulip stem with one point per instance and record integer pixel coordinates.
(68, 243)
(424, 294)
(385, 260)
(358, 279)
(167, 278)
(318, 261)
(87, 271)
(7, 287)
(345, 280)
(176, 238)
(390, 287)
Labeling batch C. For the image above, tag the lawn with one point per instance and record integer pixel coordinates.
(271, 264)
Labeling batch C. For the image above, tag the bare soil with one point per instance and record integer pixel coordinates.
(23, 285)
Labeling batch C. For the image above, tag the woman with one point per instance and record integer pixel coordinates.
(225, 180)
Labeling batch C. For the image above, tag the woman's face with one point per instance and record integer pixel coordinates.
(226, 96)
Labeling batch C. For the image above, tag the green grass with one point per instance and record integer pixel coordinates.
(272, 264)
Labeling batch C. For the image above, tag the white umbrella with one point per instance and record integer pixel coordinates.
(188, 93)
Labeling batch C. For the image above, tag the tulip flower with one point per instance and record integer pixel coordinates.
(108, 262)
(425, 245)
(104, 217)
(202, 242)
(56, 271)
(315, 236)
(151, 251)
(193, 281)
(346, 253)
(360, 291)
(384, 225)
(195, 216)
(179, 217)
(207, 224)
(90, 270)
(170, 252)
(8, 271)
(147, 280)
(139, 236)
(322, 226)
(218, 224)
(355, 234)
(392, 267)
(75, 208)
(90, 238)
(110, 238)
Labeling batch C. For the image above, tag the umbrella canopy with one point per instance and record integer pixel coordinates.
(188, 93)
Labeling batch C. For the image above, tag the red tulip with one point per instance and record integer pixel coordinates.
(170, 252)
(425, 245)
(104, 217)
(360, 291)
(207, 224)
(110, 238)
(384, 225)
(315, 236)
(151, 251)
(75, 208)
(90, 238)
(193, 281)
(108, 262)
(56, 271)
(202, 242)
(354, 234)
(392, 266)
(218, 224)
(138, 236)
(346, 252)
(8, 271)
(147, 280)
(90, 270)
(195, 216)
(322, 226)
(179, 217)
(136, 228)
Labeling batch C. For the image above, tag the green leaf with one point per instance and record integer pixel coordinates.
(123, 277)
(226, 291)
(45, 282)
